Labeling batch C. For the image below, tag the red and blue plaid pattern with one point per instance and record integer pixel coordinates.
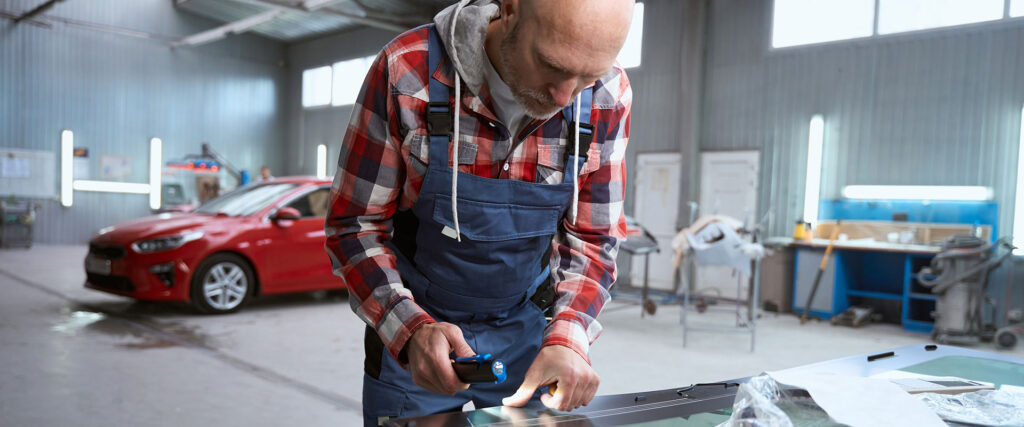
(381, 166)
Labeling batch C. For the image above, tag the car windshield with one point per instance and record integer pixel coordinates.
(246, 200)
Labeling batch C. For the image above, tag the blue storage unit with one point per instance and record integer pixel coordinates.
(937, 212)
(864, 274)
(874, 274)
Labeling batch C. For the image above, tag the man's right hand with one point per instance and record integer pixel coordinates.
(430, 363)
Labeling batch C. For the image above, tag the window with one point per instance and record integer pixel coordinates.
(895, 16)
(629, 56)
(313, 204)
(316, 87)
(348, 79)
(1016, 8)
(799, 22)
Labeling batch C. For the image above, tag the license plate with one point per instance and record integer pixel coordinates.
(97, 265)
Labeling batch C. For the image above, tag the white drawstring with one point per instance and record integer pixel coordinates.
(455, 127)
(576, 162)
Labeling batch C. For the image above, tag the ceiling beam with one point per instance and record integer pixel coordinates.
(318, 6)
(222, 31)
(39, 9)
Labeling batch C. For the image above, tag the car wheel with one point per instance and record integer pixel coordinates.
(223, 283)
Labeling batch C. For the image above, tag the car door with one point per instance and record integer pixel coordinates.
(300, 262)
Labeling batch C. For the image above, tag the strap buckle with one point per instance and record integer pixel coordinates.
(439, 119)
(586, 137)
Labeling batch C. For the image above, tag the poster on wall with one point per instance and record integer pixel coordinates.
(12, 166)
(114, 166)
(81, 163)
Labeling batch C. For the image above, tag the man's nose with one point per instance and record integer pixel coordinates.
(563, 91)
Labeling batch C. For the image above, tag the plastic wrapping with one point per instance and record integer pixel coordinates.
(763, 402)
(985, 407)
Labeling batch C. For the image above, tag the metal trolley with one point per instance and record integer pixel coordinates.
(16, 222)
(744, 308)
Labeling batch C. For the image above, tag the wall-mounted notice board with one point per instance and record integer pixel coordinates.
(27, 173)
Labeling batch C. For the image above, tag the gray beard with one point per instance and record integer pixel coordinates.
(531, 100)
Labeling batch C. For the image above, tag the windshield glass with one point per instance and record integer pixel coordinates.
(246, 200)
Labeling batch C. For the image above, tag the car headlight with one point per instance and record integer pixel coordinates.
(165, 243)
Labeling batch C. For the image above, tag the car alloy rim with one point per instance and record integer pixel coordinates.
(225, 286)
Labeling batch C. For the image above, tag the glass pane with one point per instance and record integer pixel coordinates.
(896, 16)
(316, 87)
(348, 79)
(246, 200)
(629, 56)
(1016, 7)
(798, 22)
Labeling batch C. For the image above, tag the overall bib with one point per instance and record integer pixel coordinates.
(482, 284)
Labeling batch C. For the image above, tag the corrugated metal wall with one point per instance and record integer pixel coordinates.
(309, 127)
(940, 107)
(115, 92)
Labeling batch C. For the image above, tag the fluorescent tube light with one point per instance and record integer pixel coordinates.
(812, 184)
(321, 161)
(67, 147)
(918, 192)
(155, 169)
(1018, 206)
(111, 187)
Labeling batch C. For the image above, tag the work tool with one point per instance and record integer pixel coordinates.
(821, 271)
(482, 368)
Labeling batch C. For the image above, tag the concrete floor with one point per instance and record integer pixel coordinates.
(72, 356)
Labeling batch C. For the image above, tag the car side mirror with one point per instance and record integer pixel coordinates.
(286, 213)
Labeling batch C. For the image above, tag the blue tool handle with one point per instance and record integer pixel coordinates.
(482, 368)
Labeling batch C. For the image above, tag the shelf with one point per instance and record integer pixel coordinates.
(928, 297)
(877, 295)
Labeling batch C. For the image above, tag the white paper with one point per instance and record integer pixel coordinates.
(857, 401)
(15, 167)
(81, 168)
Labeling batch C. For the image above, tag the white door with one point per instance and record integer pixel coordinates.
(728, 186)
(657, 208)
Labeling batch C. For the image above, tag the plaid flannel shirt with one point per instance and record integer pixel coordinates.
(381, 168)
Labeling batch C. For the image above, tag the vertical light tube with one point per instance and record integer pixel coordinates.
(812, 184)
(155, 171)
(1018, 205)
(67, 157)
(321, 161)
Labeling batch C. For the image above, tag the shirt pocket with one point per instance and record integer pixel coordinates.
(419, 148)
(550, 164)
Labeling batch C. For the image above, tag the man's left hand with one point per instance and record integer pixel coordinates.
(570, 379)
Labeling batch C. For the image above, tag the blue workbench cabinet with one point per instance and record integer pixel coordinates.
(864, 277)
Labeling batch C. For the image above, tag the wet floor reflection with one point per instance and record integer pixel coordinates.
(128, 330)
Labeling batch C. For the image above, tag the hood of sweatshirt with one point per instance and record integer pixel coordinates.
(469, 37)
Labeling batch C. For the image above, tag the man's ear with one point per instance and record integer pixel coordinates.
(510, 14)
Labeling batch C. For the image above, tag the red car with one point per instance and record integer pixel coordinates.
(263, 238)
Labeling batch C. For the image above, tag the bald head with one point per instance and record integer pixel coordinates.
(550, 50)
(597, 25)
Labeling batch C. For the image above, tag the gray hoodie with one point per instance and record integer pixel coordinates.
(470, 33)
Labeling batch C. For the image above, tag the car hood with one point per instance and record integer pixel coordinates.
(165, 224)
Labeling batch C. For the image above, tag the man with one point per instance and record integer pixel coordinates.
(465, 260)
(264, 174)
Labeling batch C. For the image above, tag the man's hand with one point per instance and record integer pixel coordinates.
(430, 363)
(570, 379)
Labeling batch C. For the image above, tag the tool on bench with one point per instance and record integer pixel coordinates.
(821, 271)
(482, 368)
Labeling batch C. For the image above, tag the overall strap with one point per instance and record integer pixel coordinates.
(586, 132)
(439, 110)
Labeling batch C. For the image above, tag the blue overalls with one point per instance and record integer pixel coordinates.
(482, 284)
